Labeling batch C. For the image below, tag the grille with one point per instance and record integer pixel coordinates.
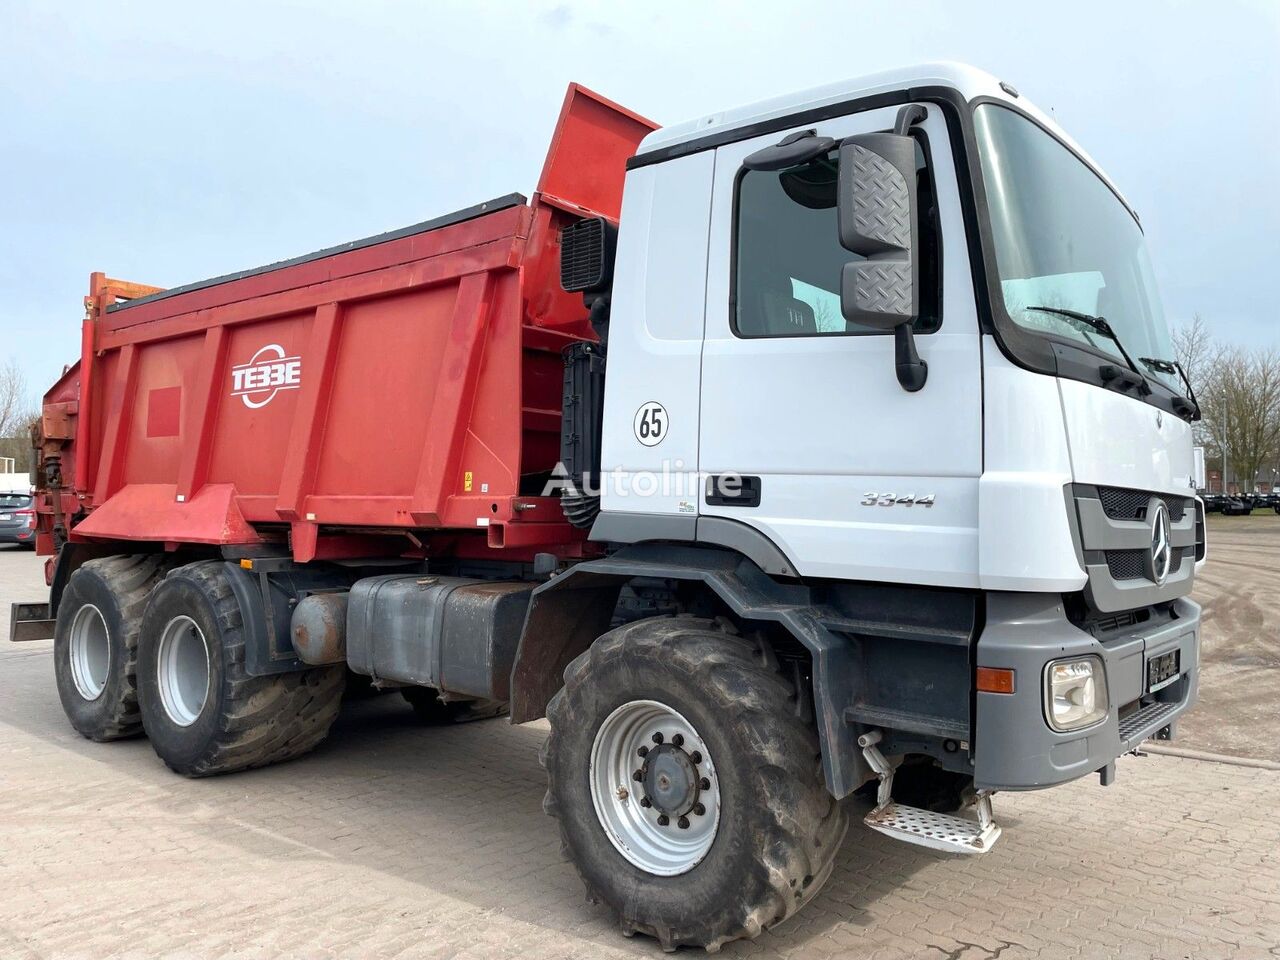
(583, 256)
(1200, 541)
(1126, 564)
(1131, 564)
(1130, 618)
(1119, 503)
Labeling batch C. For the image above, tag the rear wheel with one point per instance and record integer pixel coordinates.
(95, 648)
(688, 787)
(202, 711)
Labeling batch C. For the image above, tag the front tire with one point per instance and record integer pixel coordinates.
(203, 713)
(95, 647)
(725, 826)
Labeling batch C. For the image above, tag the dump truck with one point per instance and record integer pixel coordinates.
(826, 447)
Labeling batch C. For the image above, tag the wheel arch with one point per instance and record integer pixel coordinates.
(568, 613)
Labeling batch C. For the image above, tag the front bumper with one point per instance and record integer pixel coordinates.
(1014, 746)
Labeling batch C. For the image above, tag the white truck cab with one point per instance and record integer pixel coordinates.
(726, 312)
(887, 369)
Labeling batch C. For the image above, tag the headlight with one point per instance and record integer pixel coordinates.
(1075, 693)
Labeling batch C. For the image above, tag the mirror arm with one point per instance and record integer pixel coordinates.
(912, 371)
(909, 115)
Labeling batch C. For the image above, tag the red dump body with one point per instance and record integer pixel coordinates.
(397, 395)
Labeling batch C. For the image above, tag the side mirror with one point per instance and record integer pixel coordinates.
(879, 219)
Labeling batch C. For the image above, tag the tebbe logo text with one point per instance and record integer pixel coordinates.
(268, 372)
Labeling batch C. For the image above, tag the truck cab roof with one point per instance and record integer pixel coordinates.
(749, 120)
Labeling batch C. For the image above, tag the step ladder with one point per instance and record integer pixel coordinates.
(937, 831)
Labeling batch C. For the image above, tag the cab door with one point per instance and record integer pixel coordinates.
(848, 474)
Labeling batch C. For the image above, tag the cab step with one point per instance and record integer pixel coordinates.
(937, 831)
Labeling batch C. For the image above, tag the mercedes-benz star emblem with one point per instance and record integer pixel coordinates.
(1161, 558)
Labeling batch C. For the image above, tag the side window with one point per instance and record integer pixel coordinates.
(788, 257)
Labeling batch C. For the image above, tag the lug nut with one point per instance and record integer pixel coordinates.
(663, 819)
(643, 752)
(696, 757)
(683, 823)
(678, 740)
(646, 802)
(699, 809)
(657, 738)
(637, 776)
(704, 784)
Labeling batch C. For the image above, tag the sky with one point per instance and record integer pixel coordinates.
(165, 143)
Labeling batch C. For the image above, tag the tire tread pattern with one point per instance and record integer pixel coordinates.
(130, 579)
(804, 825)
(267, 719)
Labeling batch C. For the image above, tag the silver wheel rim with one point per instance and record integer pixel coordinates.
(90, 652)
(629, 767)
(183, 671)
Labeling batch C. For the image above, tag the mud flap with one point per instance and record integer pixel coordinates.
(30, 621)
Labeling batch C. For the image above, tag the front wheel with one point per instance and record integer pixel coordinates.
(688, 787)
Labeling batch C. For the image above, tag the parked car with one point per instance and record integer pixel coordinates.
(17, 519)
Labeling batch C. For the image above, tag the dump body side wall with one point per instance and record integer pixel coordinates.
(398, 395)
(387, 395)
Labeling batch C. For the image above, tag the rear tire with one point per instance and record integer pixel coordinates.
(95, 647)
(203, 712)
(751, 832)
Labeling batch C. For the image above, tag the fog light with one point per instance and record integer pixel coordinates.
(1075, 693)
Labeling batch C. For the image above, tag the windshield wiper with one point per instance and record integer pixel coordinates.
(1101, 326)
(1173, 366)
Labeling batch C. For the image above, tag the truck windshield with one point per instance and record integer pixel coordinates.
(1064, 241)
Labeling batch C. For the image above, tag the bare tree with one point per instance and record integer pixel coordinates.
(1197, 352)
(14, 404)
(1195, 349)
(17, 445)
(1242, 406)
(17, 413)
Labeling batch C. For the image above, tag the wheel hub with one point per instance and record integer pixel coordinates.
(90, 652)
(654, 787)
(182, 662)
(670, 780)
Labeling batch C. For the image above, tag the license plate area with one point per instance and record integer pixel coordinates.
(1162, 670)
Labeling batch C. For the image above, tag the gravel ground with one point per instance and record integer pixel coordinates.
(1239, 588)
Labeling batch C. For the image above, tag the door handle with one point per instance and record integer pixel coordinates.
(732, 490)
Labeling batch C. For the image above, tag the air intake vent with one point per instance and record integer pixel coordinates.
(586, 255)
(1121, 504)
(1126, 564)
(1200, 538)
(1129, 618)
(1132, 564)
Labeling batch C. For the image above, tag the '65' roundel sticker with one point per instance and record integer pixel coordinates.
(651, 423)
(268, 372)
